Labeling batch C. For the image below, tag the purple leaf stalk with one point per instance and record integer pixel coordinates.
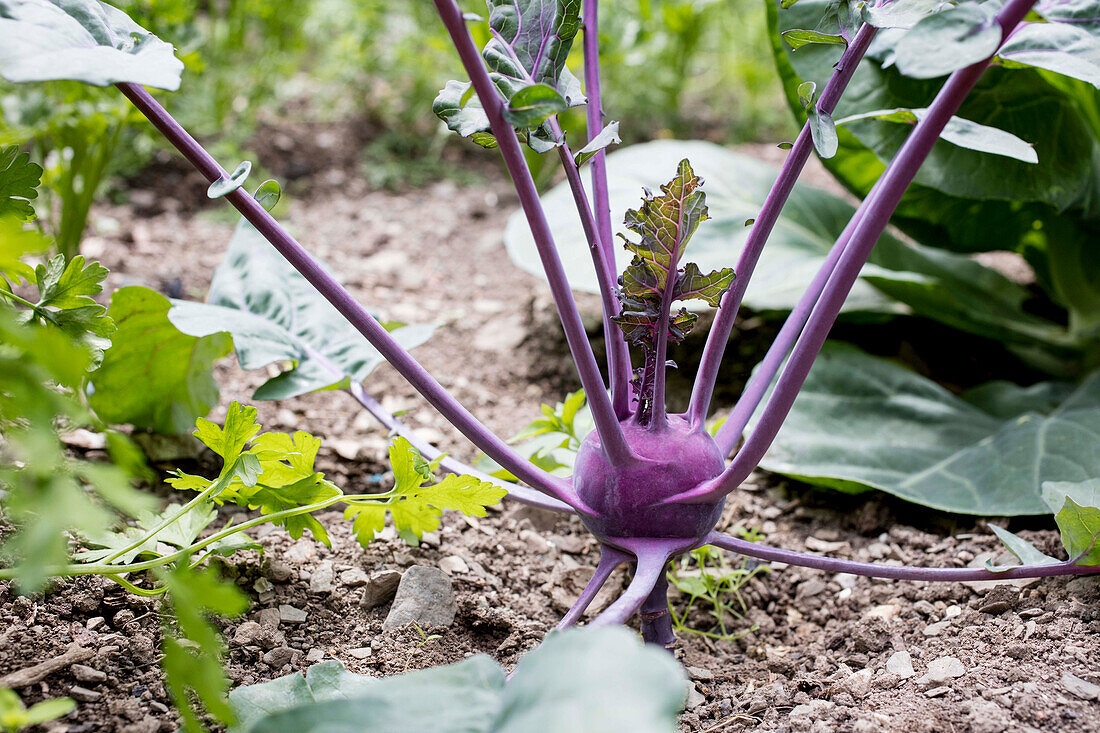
(649, 485)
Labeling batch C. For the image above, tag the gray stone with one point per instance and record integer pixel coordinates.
(314, 655)
(380, 588)
(291, 615)
(857, 684)
(353, 578)
(83, 694)
(248, 633)
(937, 628)
(901, 664)
(424, 597)
(362, 652)
(279, 656)
(698, 673)
(323, 578)
(88, 674)
(940, 670)
(270, 618)
(1080, 688)
(694, 698)
(453, 565)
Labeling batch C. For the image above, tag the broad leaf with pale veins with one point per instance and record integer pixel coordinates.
(81, 40)
(862, 422)
(275, 316)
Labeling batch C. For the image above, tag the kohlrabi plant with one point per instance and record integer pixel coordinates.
(648, 483)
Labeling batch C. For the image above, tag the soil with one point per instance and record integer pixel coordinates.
(813, 648)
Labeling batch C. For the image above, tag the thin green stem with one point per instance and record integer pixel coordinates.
(108, 570)
(214, 488)
(147, 592)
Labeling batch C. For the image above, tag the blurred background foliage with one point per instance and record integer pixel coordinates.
(673, 68)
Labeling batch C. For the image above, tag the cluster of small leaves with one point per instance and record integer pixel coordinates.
(705, 576)
(654, 280)
(271, 472)
(526, 59)
(15, 716)
(415, 505)
(551, 442)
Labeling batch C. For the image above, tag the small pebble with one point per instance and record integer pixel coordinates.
(159, 707)
(454, 565)
(88, 674)
(291, 615)
(936, 691)
(1080, 688)
(314, 655)
(362, 652)
(353, 578)
(83, 694)
(95, 623)
(901, 664)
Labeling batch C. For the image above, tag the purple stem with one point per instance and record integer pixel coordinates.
(892, 572)
(656, 619)
(621, 368)
(652, 555)
(521, 494)
(358, 316)
(876, 215)
(719, 335)
(607, 424)
(730, 432)
(618, 356)
(610, 558)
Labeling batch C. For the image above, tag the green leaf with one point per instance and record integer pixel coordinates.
(268, 194)
(533, 105)
(526, 59)
(531, 42)
(19, 179)
(153, 376)
(69, 284)
(14, 716)
(900, 13)
(552, 442)
(608, 136)
(65, 302)
(799, 37)
(961, 200)
(324, 681)
(228, 441)
(861, 422)
(589, 682)
(48, 710)
(579, 680)
(81, 40)
(1076, 507)
(178, 534)
(1064, 49)
(694, 285)
(964, 133)
(275, 316)
(193, 652)
(948, 41)
(1024, 551)
(225, 186)
(822, 127)
(460, 108)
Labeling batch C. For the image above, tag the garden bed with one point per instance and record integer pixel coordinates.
(818, 652)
